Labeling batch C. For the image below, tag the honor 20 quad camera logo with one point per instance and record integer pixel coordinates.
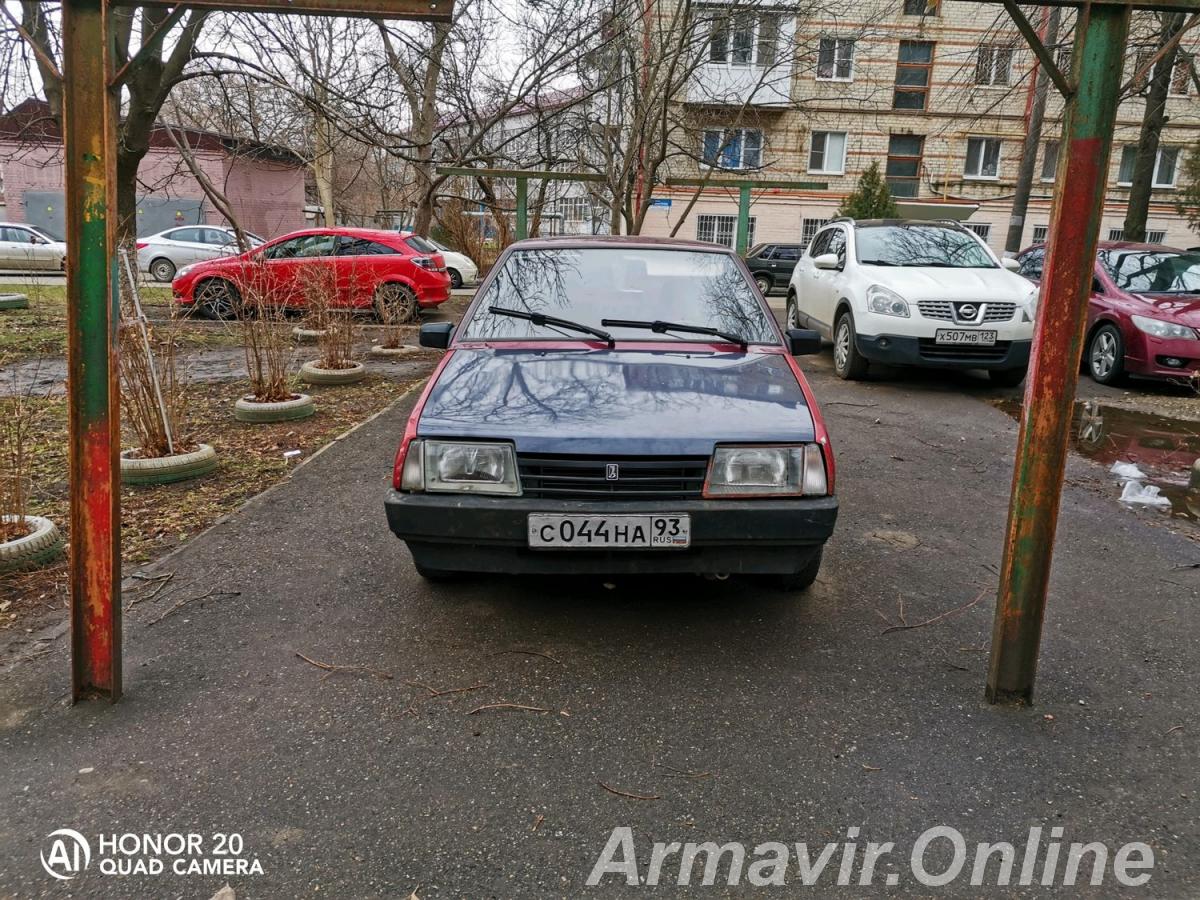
(67, 855)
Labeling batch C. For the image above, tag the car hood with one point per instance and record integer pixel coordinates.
(638, 402)
(1183, 309)
(953, 284)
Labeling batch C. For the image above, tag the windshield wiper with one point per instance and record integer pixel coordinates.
(875, 262)
(663, 327)
(554, 322)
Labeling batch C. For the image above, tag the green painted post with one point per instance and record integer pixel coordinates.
(522, 208)
(89, 134)
(1100, 46)
(743, 226)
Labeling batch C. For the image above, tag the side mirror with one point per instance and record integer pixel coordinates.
(826, 261)
(436, 335)
(1011, 264)
(803, 342)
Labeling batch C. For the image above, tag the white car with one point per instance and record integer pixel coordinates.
(460, 267)
(27, 247)
(165, 253)
(914, 293)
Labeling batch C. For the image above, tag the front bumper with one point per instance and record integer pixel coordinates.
(489, 534)
(1146, 354)
(901, 350)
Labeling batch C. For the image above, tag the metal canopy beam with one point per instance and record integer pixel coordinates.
(744, 186)
(543, 174)
(420, 10)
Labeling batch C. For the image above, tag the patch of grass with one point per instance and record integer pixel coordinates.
(157, 518)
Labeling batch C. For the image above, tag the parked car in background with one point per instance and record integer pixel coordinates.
(165, 253)
(913, 293)
(616, 405)
(460, 267)
(1144, 311)
(374, 270)
(26, 247)
(772, 265)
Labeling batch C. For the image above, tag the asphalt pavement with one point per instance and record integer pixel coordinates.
(687, 710)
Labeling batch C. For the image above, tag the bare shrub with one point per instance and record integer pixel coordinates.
(335, 340)
(266, 336)
(19, 417)
(462, 232)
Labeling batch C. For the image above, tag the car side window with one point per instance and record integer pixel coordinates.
(285, 249)
(1031, 264)
(768, 252)
(192, 235)
(317, 245)
(348, 246)
(15, 235)
(837, 244)
(820, 244)
(218, 237)
(787, 253)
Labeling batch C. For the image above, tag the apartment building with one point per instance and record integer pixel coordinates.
(938, 93)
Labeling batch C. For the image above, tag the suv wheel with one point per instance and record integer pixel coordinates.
(1106, 355)
(764, 284)
(848, 363)
(793, 312)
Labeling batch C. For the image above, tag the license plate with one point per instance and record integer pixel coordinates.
(593, 532)
(973, 338)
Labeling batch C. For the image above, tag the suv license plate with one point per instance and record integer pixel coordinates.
(972, 338)
(592, 532)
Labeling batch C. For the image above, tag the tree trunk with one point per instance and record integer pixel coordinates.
(323, 168)
(426, 122)
(1152, 125)
(1033, 138)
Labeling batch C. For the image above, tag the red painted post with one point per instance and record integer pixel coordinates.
(89, 135)
(1100, 39)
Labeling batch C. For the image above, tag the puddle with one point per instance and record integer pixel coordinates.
(1165, 449)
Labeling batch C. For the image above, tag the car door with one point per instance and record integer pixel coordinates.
(314, 269)
(818, 301)
(12, 254)
(783, 262)
(363, 265)
(187, 246)
(27, 250)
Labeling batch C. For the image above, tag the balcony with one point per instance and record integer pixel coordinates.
(730, 85)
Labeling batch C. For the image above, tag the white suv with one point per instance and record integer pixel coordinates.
(913, 293)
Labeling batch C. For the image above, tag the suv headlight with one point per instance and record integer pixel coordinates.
(797, 470)
(1159, 328)
(886, 302)
(460, 466)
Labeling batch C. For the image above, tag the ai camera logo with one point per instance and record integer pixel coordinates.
(69, 854)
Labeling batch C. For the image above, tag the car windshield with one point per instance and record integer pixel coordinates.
(921, 245)
(1153, 271)
(589, 284)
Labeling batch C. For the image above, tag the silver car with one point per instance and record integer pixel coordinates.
(26, 247)
(165, 253)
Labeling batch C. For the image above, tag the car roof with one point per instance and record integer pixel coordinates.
(17, 225)
(619, 240)
(374, 234)
(879, 223)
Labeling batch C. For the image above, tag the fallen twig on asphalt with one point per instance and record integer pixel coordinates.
(434, 692)
(183, 603)
(871, 768)
(532, 653)
(487, 706)
(613, 790)
(938, 618)
(1172, 730)
(848, 403)
(537, 823)
(683, 773)
(161, 582)
(330, 668)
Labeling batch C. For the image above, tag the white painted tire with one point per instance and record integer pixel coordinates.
(14, 301)
(247, 410)
(311, 373)
(308, 335)
(166, 469)
(43, 546)
(392, 352)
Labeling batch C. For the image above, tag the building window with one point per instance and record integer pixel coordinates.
(1181, 73)
(1039, 233)
(743, 41)
(1181, 79)
(904, 164)
(983, 158)
(1062, 57)
(809, 229)
(993, 64)
(835, 59)
(1116, 234)
(721, 230)
(733, 148)
(1164, 166)
(1049, 160)
(575, 209)
(914, 67)
(827, 152)
(983, 229)
(1156, 237)
(921, 8)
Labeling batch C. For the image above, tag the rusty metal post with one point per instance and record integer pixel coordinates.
(89, 136)
(1100, 39)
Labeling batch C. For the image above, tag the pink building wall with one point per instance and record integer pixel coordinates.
(268, 196)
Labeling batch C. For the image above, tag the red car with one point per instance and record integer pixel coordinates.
(376, 270)
(1144, 313)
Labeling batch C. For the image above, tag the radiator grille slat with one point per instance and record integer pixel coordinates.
(586, 477)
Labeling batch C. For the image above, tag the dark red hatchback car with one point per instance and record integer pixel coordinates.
(372, 270)
(1144, 313)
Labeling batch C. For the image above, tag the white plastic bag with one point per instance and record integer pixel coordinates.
(1144, 494)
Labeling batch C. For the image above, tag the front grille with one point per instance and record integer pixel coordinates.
(585, 477)
(944, 309)
(931, 350)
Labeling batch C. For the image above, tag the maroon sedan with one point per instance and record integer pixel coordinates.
(1144, 310)
(376, 270)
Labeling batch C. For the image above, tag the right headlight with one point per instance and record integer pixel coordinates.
(796, 470)
(886, 302)
(460, 466)
(1161, 329)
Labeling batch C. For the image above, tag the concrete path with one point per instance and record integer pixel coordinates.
(750, 715)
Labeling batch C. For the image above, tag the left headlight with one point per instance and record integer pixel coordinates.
(886, 302)
(1159, 328)
(184, 271)
(454, 466)
(767, 471)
